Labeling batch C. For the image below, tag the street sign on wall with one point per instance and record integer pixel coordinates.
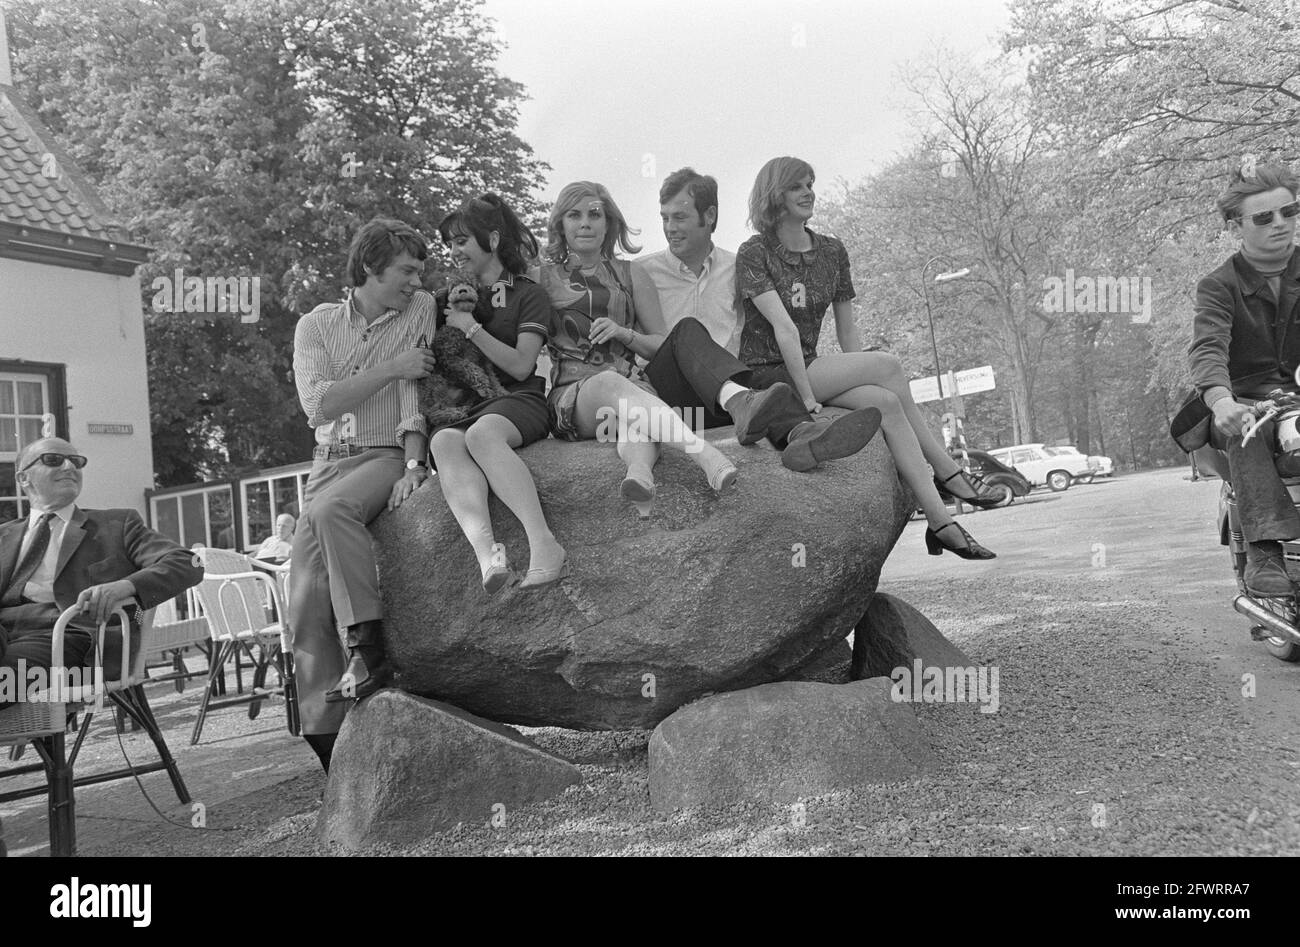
(969, 382)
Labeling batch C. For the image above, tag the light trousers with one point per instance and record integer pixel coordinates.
(335, 581)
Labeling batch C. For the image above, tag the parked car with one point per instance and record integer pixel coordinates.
(994, 473)
(1102, 466)
(1045, 466)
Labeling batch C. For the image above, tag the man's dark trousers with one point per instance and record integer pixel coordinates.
(1263, 503)
(690, 369)
(27, 633)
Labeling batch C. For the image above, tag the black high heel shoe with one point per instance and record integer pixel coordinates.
(986, 496)
(972, 550)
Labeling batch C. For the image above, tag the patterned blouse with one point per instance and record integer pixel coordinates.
(579, 298)
(807, 282)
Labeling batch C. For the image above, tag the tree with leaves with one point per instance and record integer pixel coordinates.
(251, 138)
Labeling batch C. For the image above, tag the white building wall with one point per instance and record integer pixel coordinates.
(93, 324)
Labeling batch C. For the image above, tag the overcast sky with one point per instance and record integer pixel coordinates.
(625, 92)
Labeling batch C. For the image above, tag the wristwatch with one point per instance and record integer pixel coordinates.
(413, 463)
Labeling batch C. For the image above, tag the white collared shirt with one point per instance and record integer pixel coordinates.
(40, 587)
(710, 297)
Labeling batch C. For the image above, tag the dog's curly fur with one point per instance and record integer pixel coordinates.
(463, 376)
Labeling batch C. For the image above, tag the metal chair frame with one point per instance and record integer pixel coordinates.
(232, 602)
(45, 724)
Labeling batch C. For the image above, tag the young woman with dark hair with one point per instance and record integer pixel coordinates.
(510, 324)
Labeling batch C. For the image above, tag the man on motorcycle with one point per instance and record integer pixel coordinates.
(1245, 343)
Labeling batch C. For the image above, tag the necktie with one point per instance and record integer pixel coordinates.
(31, 559)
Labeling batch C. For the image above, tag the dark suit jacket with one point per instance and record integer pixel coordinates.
(103, 546)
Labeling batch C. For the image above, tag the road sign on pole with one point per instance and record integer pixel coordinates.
(968, 382)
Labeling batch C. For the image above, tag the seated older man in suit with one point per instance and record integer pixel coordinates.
(62, 555)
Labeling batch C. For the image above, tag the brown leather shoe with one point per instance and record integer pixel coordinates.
(754, 411)
(813, 442)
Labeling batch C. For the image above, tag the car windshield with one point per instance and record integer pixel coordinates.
(1058, 451)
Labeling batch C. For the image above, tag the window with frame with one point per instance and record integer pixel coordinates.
(265, 498)
(200, 516)
(32, 406)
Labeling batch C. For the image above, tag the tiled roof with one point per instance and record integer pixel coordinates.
(64, 203)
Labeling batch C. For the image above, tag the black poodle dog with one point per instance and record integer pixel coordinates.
(463, 376)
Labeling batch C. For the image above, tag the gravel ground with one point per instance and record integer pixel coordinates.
(1114, 737)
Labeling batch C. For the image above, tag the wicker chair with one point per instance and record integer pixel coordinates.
(45, 723)
(233, 596)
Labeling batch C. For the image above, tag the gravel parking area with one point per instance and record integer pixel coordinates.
(1122, 728)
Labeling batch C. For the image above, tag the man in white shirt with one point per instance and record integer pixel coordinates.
(696, 366)
(695, 278)
(278, 546)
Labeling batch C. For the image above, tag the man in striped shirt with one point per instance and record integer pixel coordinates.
(356, 364)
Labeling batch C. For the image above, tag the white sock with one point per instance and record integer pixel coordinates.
(729, 390)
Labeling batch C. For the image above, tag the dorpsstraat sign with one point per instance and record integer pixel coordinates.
(968, 382)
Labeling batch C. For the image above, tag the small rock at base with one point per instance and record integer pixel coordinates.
(781, 742)
(405, 767)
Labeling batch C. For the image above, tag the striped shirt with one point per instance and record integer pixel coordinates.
(333, 342)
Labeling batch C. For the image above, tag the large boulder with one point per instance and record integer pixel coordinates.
(893, 634)
(404, 768)
(782, 742)
(833, 664)
(709, 594)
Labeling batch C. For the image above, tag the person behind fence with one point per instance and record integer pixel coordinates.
(509, 324)
(1245, 343)
(696, 368)
(279, 545)
(355, 364)
(61, 555)
(788, 276)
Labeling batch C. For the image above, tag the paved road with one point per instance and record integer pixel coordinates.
(1149, 537)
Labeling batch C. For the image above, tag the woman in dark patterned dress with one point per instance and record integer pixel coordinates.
(605, 315)
(788, 276)
(509, 324)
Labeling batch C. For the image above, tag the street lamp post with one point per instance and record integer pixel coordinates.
(957, 436)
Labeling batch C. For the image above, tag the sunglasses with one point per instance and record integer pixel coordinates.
(1265, 217)
(56, 460)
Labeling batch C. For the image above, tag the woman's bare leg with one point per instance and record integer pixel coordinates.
(833, 375)
(648, 420)
(466, 491)
(491, 442)
(902, 442)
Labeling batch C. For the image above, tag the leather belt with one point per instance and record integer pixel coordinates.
(341, 451)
